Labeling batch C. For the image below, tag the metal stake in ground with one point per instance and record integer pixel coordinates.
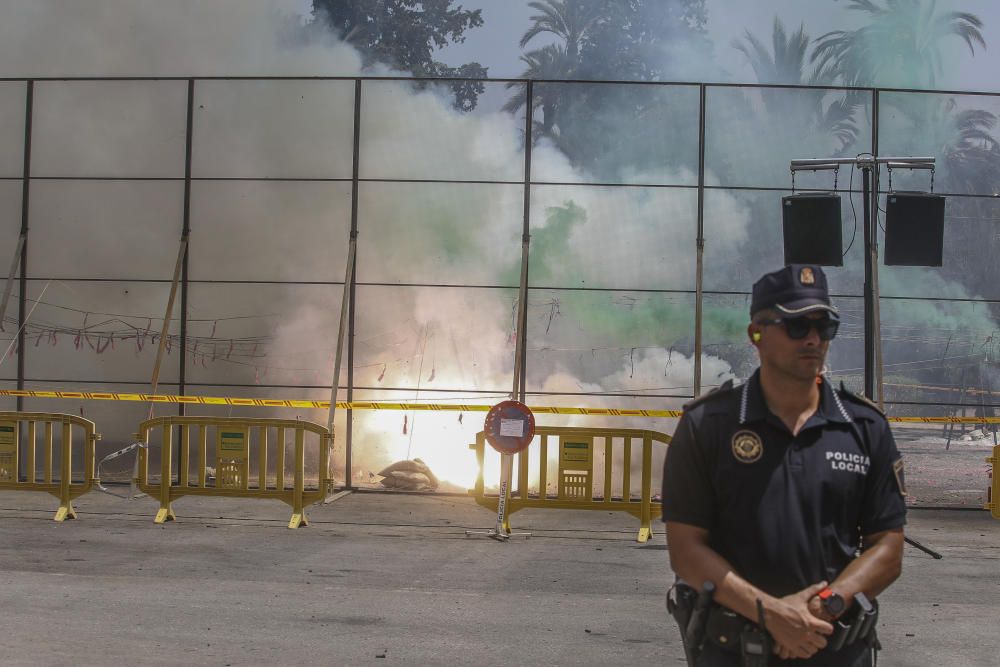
(509, 428)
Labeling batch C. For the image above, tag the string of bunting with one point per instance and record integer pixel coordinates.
(405, 407)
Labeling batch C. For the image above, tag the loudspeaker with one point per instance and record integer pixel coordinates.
(914, 229)
(811, 223)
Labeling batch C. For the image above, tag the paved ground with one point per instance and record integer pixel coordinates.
(939, 473)
(387, 579)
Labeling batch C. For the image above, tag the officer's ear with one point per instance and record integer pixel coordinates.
(753, 333)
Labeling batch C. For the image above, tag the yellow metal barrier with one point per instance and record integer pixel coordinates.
(575, 481)
(993, 491)
(233, 441)
(62, 486)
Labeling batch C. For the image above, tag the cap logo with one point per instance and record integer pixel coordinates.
(747, 447)
(806, 276)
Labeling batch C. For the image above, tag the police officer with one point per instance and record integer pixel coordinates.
(786, 494)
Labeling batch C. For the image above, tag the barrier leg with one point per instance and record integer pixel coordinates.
(65, 510)
(645, 523)
(299, 518)
(298, 511)
(166, 512)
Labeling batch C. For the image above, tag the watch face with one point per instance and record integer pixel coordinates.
(833, 603)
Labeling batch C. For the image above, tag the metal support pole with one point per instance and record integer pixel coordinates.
(700, 247)
(353, 305)
(500, 531)
(185, 232)
(341, 340)
(22, 297)
(876, 298)
(521, 335)
(178, 265)
(167, 316)
(866, 190)
(345, 331)
(9, 285)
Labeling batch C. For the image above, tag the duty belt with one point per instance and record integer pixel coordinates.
(693, 612)
(732, 632)
(724, 626)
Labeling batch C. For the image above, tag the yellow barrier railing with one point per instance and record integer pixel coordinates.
(576, 475)
(60, 484)
(993, 490)
(234, 440)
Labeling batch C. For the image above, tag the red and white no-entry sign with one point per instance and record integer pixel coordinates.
(509, 427)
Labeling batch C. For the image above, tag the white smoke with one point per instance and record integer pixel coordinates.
(52, 38)
(424, 338)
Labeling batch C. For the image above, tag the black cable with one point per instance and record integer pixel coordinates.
(850, 198)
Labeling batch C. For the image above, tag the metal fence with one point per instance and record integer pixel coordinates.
(651, 209)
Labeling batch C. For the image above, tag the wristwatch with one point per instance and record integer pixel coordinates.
(833, 603)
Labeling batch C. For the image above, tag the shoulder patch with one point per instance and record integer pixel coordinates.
(718, 392)
(859, 399)
(897, 470)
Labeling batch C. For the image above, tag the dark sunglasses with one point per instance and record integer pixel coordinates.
(798, 328)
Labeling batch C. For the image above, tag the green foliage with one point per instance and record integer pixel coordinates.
(607, 129)
(900, 46)
(404, 34)
(785, 63)
(818, 115)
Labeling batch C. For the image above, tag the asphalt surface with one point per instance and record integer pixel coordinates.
(381, 578)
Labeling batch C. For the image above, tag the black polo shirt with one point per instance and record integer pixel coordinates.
(785, 511)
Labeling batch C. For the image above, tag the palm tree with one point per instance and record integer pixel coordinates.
(569, 20)
(900, 47)
(972, 156)
(962, 139)
(548, 62)
(786, 63)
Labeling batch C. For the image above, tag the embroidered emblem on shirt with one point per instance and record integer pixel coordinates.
(897, 469)
(747, 446)
(806, 276)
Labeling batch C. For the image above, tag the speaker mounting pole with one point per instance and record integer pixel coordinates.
(871, 258)
(868, 164)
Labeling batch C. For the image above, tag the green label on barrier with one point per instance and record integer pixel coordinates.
(8, 437)
(576, 452)
(233, 443)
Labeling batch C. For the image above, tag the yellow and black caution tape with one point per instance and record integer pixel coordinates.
(322, 405)
(404, 407)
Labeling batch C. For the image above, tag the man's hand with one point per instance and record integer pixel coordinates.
(796, 631)
(816, 609)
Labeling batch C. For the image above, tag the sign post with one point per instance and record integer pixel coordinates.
(509, 428)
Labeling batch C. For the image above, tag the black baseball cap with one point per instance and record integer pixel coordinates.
(793, 291)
